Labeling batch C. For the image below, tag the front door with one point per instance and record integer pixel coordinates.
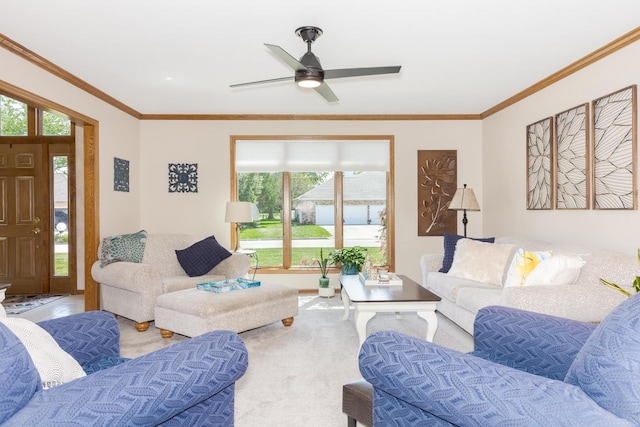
(23, 255)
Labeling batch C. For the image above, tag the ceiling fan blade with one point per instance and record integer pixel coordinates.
(286, 57)
(326, 92)
(355, 72)
(279, 79)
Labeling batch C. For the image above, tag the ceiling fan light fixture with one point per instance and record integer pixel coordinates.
(308, 81)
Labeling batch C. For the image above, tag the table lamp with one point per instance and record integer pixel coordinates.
(464, 200)
(239, 212)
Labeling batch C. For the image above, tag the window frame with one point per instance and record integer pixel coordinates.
(338, 214)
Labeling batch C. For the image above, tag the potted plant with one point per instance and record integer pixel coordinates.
(323, 282)
(351, 259)
(635, 284)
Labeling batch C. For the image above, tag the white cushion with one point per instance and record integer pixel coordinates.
(479, 261)
(559, 269)
(523, 263)
(54, 365)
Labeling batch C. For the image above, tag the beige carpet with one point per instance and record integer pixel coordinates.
(296, 374)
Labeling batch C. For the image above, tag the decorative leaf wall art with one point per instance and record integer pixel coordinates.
(183, 177)
(437, 183)
(539, 153)
(614, 150)
(572, 159)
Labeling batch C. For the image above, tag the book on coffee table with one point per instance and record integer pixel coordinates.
(228, 285)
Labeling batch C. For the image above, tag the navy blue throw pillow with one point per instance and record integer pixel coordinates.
(450, 241)
(199, 258)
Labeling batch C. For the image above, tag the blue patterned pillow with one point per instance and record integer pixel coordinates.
(450, 241)
(125, 247)
(201, 257)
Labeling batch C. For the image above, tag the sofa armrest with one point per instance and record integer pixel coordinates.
(418, 379)
(430, 263)
(577, 302)
(237, 265)
(87, 337)
(176, 382)
(532, 342)
(140, 278)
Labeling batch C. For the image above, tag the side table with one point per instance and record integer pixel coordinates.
(253, 255)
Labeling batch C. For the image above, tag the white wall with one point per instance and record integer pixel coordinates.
(118, 136)
(504, 166)
(207, 143)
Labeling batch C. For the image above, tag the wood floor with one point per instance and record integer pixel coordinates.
(59, 308)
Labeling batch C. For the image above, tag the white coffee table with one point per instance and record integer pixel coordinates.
(370, 300)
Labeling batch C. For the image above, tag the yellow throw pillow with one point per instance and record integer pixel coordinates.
(522, 264)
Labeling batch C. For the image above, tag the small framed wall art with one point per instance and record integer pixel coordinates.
(120, 175)
(614, 150)
(183, 177)
(540, 189)
(572, 158)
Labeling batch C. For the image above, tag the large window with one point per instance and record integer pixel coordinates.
(313, 193)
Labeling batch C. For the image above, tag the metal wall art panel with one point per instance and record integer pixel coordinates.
(120, 175)
(539, 175)
(572, 158)
(614, 150)
(437, 183)
(183, 177)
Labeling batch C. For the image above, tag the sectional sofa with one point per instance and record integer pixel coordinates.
(582, 298)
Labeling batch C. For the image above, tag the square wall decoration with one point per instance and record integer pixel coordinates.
(183, 177)
(437, 183)
(120, 175)
(539, 154)
(572, 159)
(614, 150)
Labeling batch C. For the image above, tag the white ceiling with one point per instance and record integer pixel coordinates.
(179, 57)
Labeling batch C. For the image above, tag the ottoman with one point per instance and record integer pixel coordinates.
(193, 312)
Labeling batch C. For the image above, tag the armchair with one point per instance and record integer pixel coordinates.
(189, 383)
(526, 369)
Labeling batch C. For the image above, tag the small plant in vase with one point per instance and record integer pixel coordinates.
(352, 259)
(323, 282)
(635, 284)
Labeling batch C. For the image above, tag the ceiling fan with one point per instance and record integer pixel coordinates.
(309, 72)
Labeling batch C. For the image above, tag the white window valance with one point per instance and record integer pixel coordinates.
(312, 155)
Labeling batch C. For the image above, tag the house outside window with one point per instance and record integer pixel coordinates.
(312, 193)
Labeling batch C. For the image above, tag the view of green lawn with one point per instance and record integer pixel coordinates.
(303, 257)
(62, 264)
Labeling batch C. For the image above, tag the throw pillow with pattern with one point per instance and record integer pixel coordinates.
(124, 247)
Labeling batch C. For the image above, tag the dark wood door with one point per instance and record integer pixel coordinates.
(23, 256)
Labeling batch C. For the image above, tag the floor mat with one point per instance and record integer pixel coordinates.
(18, 304)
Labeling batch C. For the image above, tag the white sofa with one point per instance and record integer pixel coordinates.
(130, 289)
(586, 300)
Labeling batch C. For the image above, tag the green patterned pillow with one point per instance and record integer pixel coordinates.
(125, 247)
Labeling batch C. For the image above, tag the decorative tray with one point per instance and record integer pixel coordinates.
(228, 285)
(393, 280)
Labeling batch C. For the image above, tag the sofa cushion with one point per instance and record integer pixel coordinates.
(447, 287)
(450, 241)
(201, 257)
(523, 263)
(559, 269)
(473, 299)
(607, 367)
(124, 247)
(479, 261)
(55, 366)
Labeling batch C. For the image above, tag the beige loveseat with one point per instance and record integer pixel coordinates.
(587, 299)
(130, 289)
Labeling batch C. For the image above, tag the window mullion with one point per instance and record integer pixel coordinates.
(338, 211)
(286, 219)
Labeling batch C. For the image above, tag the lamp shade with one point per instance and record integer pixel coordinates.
(241, 212)
(464, 199)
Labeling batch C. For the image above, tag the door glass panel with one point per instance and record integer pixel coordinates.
(54, 124)
(13, 117)
(313, 218)
(60, 217)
